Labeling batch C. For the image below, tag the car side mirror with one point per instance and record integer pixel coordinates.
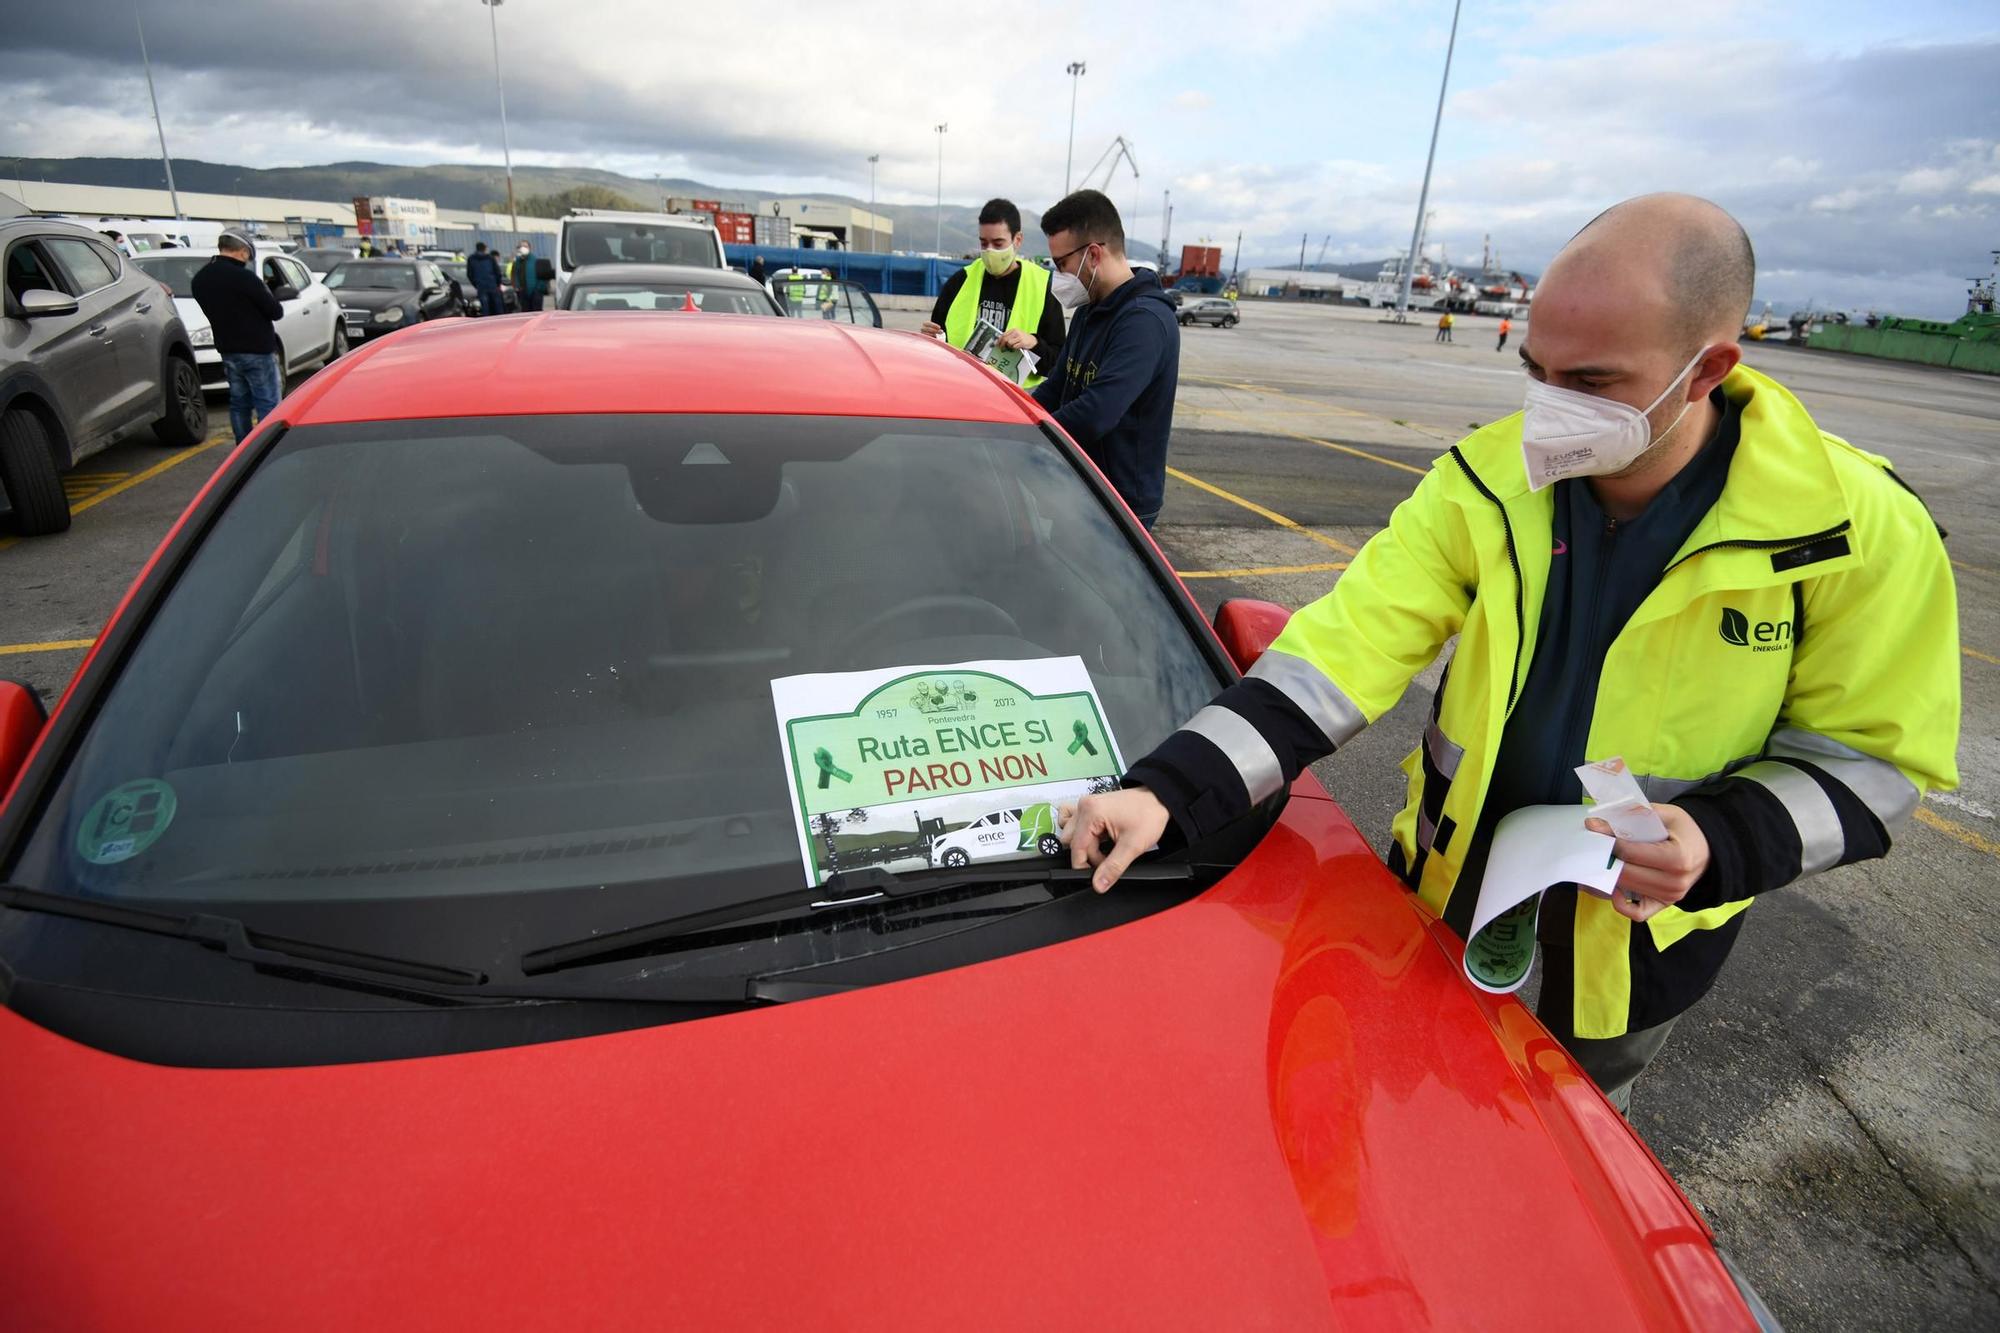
(432, 290)
(40, 302)
(284, 291)
(22, 718)
(1247, 627)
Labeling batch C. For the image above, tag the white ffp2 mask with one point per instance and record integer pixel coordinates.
(1068, 288)
(1569, 434)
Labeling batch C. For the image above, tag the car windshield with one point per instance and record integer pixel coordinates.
(670, 296)
(322, 261)
(522, 657)
(384, 277)
(176, 270)
(636, 243)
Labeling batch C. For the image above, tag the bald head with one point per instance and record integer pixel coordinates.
(1679, 251)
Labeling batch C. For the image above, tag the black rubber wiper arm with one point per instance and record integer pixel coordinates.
(233, 938)
(850, 888)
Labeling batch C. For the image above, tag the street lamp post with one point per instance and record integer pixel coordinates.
(1076, 70)
(937, 245)
(165, 157)
(1424, 195)
(507, 155)
(874, 233)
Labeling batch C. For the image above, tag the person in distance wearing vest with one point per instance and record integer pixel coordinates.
(1662, 559)
(1001, 290)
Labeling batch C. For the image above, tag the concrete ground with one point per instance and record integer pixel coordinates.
(1834, 1106)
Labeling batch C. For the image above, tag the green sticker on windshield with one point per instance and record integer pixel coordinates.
(125, 821)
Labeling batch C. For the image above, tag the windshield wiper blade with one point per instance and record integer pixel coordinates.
(238, 941)
(851, 888)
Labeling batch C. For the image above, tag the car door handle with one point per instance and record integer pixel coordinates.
(98, 330)
(143, 307)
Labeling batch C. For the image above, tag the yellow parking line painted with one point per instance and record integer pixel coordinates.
(119, 488)
(1262, 512)
(1975, 653)
(1329, 444)
(57, 646)
(1958, 832)
(1260, 571)
(1976, 569)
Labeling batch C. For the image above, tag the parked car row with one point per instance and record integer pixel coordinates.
(309, 335)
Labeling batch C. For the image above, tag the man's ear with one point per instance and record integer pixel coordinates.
(1716, 363)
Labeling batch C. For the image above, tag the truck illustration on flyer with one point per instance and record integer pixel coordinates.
(909, 768)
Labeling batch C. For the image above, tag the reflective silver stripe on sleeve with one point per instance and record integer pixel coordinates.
(1821, 840)
(1256, 762)
(1662, 790)
(1878, 784)
(1426, 831)
(1317, 697)
(1444, 755)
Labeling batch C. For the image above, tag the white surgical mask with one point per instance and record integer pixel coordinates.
(1069, 289)
(1569, 434)
(998, 261)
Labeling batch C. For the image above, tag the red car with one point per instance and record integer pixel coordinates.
(405, 928)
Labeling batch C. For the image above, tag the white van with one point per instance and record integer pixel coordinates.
(611, 236)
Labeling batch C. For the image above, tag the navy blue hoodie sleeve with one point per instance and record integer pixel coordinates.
(1049, 392)
(1130, 359)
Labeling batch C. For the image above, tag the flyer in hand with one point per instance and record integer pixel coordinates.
(918, 766)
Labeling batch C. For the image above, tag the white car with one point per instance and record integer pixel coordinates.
(613, 236)
(996, 835)
(310, 334)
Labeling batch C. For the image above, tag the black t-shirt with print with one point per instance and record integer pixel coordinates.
(996, 303)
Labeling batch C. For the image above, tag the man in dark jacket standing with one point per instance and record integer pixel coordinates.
(1113, 387)
(243, 314)
(484, 270)
(528, 285)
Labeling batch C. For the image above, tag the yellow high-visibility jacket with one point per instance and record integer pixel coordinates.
(1792, 681)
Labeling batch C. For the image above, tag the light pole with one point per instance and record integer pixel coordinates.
(236, 188)
(147, 61)
(874, 234)
(937, 245)
(1424, 195)
(493, 22)
(1076, 70)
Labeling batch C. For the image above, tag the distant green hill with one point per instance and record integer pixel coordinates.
(455, 185)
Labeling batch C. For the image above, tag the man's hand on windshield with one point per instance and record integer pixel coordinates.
(930, 330)
(1132, 819)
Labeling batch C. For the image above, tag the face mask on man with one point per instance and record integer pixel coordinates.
(1070, 289)
(1569, 434)
(998, 261)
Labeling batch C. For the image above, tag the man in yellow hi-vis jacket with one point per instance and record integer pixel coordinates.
(1661, 558)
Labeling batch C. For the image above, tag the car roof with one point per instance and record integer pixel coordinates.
(587, 274)
(562, 362)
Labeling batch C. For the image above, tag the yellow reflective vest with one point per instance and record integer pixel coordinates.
(1030, 298)
(1801, 651)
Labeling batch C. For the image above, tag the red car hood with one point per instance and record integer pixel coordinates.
(1274, 1106)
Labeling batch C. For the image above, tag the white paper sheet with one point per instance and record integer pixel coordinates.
(1534, 848)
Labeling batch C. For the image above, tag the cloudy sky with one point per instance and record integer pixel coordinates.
(1858, 140)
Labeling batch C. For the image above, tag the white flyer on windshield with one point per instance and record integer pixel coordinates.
(1534, 849)
(912, 767)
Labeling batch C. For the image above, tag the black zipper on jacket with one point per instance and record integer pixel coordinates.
(1752, 544)
(1514, 560)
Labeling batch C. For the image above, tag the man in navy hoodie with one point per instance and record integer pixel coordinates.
(1113, 388)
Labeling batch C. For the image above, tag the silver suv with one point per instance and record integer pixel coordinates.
(91, 350)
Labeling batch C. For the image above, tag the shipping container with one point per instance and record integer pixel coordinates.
(1201, 261)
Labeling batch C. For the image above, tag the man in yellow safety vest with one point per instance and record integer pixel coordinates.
(1663, 560)
(999, 290)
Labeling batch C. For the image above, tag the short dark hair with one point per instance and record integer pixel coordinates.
(1001, 210)
(479, 247)
(1091, 217)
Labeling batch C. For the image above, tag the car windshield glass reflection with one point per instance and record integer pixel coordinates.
(177, 271)
(637, 243)
(383, 277)
(628, 297)
(504, 656)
